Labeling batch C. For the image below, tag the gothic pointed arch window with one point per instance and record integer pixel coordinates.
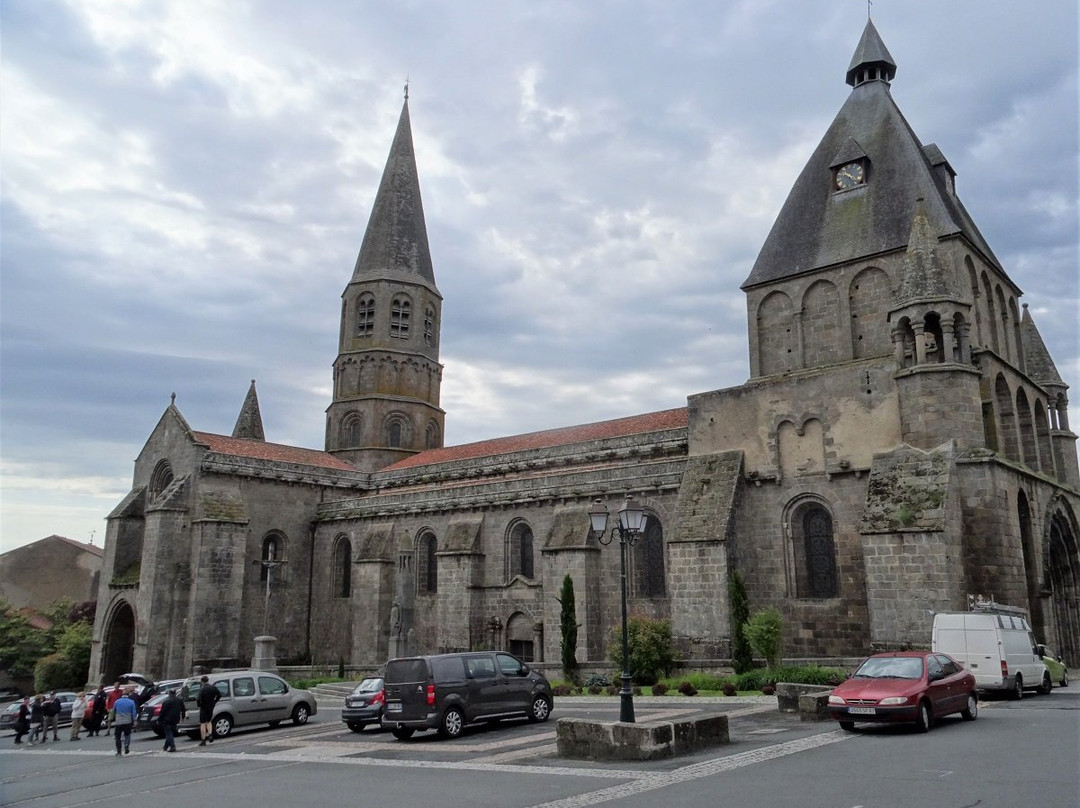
(648, 560)
(342, 567)
(813, 551)
(400, 314)
(519, 551)
(427, 566)
(365, 315)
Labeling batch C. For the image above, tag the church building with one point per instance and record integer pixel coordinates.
(902, 443)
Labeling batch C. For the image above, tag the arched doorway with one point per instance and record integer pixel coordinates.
(119, 651)
(1063, 583)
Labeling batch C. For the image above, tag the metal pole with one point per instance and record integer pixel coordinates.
(626, 695)
(266, 601)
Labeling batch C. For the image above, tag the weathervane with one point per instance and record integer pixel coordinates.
(406, 86)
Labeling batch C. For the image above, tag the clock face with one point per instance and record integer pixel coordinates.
(850, 175)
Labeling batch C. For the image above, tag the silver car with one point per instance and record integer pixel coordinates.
(247, 697)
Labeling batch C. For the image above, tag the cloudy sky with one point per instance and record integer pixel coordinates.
(186, 183)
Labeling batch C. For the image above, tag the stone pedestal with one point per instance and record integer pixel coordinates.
(265, 658)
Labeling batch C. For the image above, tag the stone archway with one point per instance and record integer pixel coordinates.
(1062, 564)
(119, 651)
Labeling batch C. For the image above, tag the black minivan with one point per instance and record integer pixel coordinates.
(447, 691)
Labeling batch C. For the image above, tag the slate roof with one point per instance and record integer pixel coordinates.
(395, 243)
(563, 436)
(818, 227)
(1040, 366)
(276, 452)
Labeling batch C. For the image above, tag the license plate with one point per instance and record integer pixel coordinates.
(393, 706)
(862, 711)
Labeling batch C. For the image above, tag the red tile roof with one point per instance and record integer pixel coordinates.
(563, 436)
(277, 452)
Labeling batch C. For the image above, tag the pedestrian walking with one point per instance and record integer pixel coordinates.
(51, 709)
(22, 720)
(37, 719)
(207, 698)
(110, 699)
(169, 717)
(123, 721)
(78, 712)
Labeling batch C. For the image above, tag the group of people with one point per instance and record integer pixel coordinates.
(116, 708)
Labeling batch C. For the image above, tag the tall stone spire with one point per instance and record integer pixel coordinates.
(249, 423)
(387, 374)
(395, 245)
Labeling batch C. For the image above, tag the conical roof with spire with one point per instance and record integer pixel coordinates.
(1040, 366)
(922, 274)
(819, 226)
(395, 243)
(249, 423)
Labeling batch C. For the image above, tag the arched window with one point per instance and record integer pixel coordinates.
(649, 560)
(352, 429)
(394, 438)
(429, 326)
(431, 436)
(365, 315)
(273, 552)
(813, 552)
(399, 317)
(427, 567)
(519, 551)
(342, 573)
(161, 479)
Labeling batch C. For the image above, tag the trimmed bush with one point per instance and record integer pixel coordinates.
(55, 672)
(659, 689)
(729, 689)
(687, 689)
(652, 651)
(768, 690)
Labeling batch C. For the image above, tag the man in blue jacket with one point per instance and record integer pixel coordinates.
(124, 711)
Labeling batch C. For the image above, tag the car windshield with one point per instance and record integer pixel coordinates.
(369, 686)
(890, 668)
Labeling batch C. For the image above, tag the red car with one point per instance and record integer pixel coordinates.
(906, 686)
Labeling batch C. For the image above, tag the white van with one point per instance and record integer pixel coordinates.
(999, 649)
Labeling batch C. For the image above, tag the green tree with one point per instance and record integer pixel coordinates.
(764, 631)
(74, 646)
(742, 657)
(21, 645)
(568, 626)
(652, 653)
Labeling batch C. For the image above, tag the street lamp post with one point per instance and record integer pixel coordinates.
(631, 522)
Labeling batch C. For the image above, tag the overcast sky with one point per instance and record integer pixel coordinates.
(185, 186)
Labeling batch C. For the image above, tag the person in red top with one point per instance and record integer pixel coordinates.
(110, 700)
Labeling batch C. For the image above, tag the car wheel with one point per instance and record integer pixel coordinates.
(971, 712)
(300, 714)
(402, 733)
(1018, 688)
(453, 721)
(222, 725)
(847, 726)
(1064, 678)
(922, 717)
(356, 726)
(1046, 686)
(540, 710)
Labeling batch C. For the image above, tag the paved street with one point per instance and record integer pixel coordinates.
(1015, 754)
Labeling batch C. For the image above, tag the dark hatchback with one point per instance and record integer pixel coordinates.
(447, 691)
(364, 705)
